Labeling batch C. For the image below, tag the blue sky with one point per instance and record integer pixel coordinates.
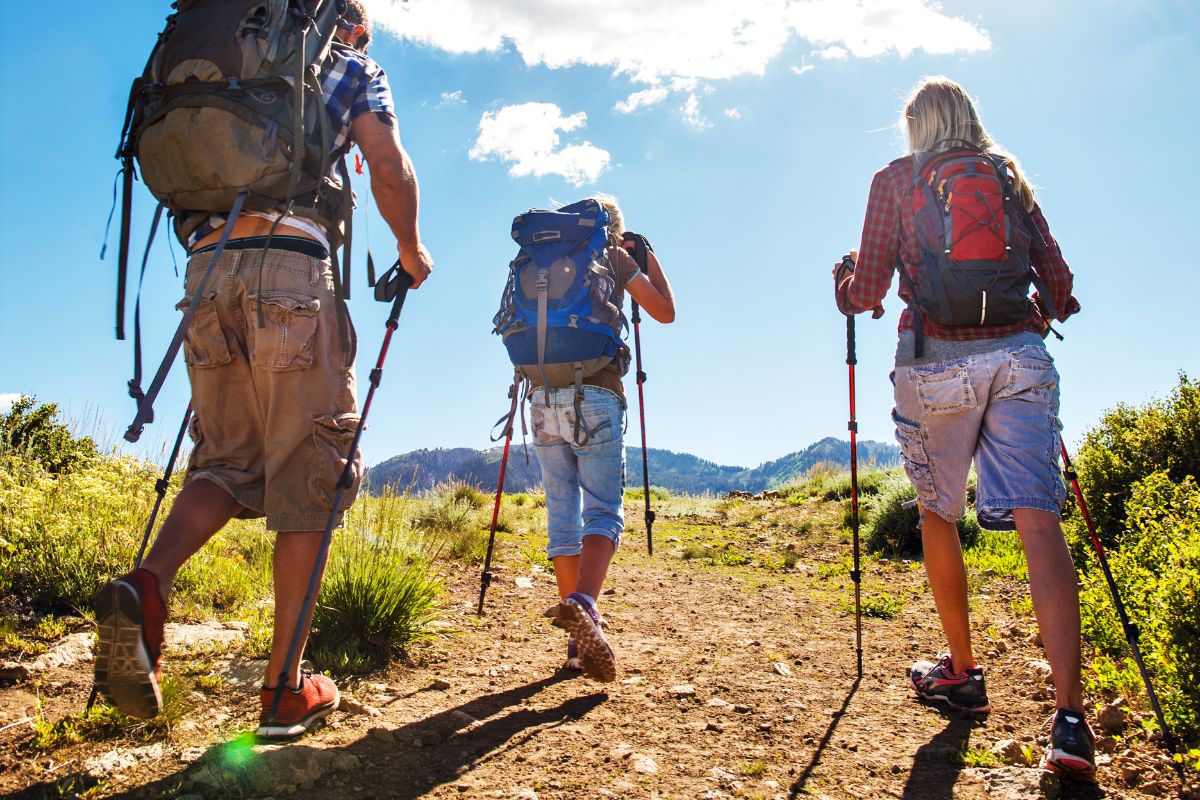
(746, 161)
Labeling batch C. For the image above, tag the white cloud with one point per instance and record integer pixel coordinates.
(733, 113)
(691, 113)
(7, 399)
(712, 40)
(803, 68)
(454, 98)
(834, 53)
(646, 97)
(527, 137)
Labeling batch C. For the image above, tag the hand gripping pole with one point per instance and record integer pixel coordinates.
(393, 286)
(485, 578)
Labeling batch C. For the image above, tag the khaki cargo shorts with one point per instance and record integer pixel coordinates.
(275, 413)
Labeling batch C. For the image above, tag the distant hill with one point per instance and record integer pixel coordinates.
(676, 472)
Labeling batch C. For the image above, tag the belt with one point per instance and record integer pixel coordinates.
(292, 244)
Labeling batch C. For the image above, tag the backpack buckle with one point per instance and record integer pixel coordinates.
(235, 83)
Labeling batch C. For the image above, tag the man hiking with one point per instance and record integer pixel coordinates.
(272, 378)
(578, 405)
(973, 382)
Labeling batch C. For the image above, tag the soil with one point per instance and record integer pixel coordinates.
(735, 680)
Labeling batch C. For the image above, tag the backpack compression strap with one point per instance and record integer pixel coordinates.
(135, 383)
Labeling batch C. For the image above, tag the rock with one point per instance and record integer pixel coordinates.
(621, 751)
(723, 778)
(70, 650)
(1130, 773)
(1009, 751)
(643, 764)
(525, 582)
(268, 769)
(191, 755)
(1011, 783)
(1112, 717)
(714, 727)
(742, 708)
(1001, 646)
(523, 794)
(683, 690)
(783, 669)
(441, 684)
(1154, 788)
(382, 735)
(633, 680)
(1042, 669)
(203, 636)
(717, 702)
(245, 674)
(115, 761)
(351, 706)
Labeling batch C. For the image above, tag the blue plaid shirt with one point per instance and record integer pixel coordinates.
(353, 85)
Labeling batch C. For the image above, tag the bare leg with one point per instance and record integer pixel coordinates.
(593, 563)
(201, 509)
(295, 554)
(948, 581)
(566, 574)
(1052, 584)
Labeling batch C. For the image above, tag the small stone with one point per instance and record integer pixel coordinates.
(783, 669)
(382, 735)
(742, 708)
(441, 684)
(716, 702)
(643, 764)
(621, 751)
(524, 794)
(1154, 788)
(1042, 669)
(714, 727)
(1131, 774)
(683, 690)
(1112, 717)
(768, 725)
(633, 680)
(524, 582)
(462, 787)
(1009, 751)
(1001, 646)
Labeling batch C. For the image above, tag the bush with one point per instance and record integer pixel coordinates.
(1158, 575)
(892, 528)
(380, 592)
(637, 494)
(31, 431)
(1130, 444)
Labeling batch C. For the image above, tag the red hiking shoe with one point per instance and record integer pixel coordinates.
(299, 709)
(130, 615)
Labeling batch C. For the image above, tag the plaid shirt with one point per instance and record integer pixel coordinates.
(888, 235)
(353, 85)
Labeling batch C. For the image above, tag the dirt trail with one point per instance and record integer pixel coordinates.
(735, 681)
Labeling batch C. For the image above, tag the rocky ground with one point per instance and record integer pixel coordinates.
(737, 679)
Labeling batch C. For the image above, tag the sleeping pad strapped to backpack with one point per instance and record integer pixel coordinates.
(974, 238)
(557, 317)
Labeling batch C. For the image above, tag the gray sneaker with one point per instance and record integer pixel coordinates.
(578, 618)
(938, 681)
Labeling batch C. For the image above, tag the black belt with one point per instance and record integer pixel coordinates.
(292, 244)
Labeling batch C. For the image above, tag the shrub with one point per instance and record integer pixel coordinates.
(892, 528)
(461, 492)
(380, 592)
(32, 431)
(1158, 574)
(637, 494)
(1131, 443)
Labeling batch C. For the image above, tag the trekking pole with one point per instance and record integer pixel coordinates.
(485, 579)
(1131, 630)
(856, 573)
(160, 490)
(393, 286)
(641, 246)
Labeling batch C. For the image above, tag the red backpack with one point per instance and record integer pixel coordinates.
(974, 238)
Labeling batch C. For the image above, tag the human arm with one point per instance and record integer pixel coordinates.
(864, 288)
(395, 189)
(651, 290)
(1052, 268)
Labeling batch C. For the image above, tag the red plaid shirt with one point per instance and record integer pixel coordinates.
(888, 233)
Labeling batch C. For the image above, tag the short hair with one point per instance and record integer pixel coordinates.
(616, 220)
(356, 14)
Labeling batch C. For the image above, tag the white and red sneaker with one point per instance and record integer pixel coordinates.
(299, 709)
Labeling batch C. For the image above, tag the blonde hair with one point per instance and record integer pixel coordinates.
(616, 220)
(939, 112)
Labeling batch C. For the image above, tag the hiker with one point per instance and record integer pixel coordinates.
(272, 380)
(974, 382)
(578, 404)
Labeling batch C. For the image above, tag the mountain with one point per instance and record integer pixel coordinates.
(677, 472)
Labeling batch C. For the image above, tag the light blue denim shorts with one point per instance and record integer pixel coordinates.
(999, 409)
(584, 483)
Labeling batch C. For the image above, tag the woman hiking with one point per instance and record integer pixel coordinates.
(973, 382)
(578, 405)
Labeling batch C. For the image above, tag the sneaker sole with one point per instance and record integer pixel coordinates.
(1072, 767)
(596, 658)
(930, 697)
(292, 730)
(124, 672)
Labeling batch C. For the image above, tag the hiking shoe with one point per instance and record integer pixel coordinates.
(1072, 752)
(578, 617)
(130, 615)
(572, 664)
(299, 709)
(938, 681)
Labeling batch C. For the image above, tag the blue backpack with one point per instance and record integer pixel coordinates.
(558, 317)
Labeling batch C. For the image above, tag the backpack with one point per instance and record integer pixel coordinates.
(229, 116)
(558, 317)
(974, 238)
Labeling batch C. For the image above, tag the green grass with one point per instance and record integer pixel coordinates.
(998, 551)
(977, 756)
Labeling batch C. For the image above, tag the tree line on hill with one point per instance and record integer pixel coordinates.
(681, 473)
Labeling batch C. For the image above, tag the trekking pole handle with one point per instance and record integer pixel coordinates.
(851, 355)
